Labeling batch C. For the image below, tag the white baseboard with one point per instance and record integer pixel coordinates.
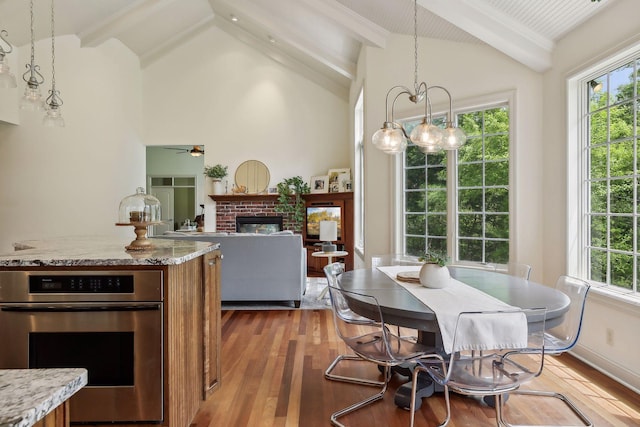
(614, 371)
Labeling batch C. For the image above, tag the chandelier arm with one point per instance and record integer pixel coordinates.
(404, 90)
(450, 116)
(3, 52)
(427, 101)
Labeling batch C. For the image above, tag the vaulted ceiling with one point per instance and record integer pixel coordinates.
(319, 38)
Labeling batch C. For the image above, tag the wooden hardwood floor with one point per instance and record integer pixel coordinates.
(273, 365)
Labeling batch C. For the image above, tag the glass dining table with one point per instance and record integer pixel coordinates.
(400, 307)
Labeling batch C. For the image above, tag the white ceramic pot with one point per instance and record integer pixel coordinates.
(217, 186)
(434, 276)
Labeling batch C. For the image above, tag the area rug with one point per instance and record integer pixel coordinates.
(311, 299)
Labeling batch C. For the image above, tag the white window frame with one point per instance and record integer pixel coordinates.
(577, 171)
(358, 173)
(494, 100)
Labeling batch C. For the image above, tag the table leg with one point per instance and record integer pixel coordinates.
(426, 387)
(326, 288)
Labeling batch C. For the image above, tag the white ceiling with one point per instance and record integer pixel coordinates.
(319, 38)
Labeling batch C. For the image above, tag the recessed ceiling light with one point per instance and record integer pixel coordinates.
(234, 18)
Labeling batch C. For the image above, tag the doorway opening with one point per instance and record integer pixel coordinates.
(177, 196)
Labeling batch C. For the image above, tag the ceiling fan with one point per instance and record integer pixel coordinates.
(196, 151)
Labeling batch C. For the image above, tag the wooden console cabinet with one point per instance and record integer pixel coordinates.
(345, 243)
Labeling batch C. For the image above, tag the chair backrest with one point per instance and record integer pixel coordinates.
(495, 351)
(394, 259)
(367, 335)
(564, 337)
(332, 272)
(522, 271)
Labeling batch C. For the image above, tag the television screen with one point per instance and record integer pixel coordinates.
(315, 214)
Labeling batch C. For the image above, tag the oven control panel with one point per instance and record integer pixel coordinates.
(32, 286)
(113, 284)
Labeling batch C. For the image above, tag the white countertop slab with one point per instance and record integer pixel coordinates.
(28, 395)
(101, 251)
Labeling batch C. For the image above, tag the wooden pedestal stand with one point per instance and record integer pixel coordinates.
(140, 228)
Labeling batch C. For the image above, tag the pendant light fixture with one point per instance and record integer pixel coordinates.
(392, 138)
(53, 117)
(32, 99)
(7, 79)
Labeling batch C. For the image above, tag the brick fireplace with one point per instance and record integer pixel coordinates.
(228, 207)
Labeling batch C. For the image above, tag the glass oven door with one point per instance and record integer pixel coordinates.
(120, 344)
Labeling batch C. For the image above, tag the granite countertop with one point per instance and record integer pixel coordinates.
(28, 395)
(101, 251)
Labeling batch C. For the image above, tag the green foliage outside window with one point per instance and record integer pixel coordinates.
(614, 167)
(482, 188)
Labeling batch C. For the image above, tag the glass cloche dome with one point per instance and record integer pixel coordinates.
(139, 208)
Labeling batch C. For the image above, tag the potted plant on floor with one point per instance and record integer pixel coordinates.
(434, 272)
(217, 173)
(290, 201)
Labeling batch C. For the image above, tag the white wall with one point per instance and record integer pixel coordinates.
(605, 34)
(69, 181)
(218, 92)
(470, 73)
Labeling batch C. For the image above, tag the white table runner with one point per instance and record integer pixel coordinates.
(506, 330)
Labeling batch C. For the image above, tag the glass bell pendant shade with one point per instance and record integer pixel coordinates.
(389, 139)
(53, 118)
(7, 79)
(32, 100)
(427, 135)
(454, 138)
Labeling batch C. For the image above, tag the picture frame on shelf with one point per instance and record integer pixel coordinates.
(344, 182)
(335, 178)
(319, 184)
(272, 190)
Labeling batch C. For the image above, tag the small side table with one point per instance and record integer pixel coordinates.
(330, 256)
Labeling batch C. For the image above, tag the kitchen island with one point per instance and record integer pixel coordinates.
(38, 396)
(145, 324)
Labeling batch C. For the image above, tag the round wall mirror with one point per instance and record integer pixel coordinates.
(253, 175)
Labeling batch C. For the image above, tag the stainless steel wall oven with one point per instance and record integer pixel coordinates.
(109, 322)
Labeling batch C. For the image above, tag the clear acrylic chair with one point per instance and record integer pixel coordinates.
(332, 271)
(373, 342)
(479, 368)
(393, 259)
(519, 270)
(387, 260)
(564, 337)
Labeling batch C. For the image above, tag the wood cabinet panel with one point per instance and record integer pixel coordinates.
(59, 417)
(212, 265)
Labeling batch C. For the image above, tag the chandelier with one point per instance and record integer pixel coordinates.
(392, 137)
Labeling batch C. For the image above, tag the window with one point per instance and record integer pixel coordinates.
(610, 167)
(474, 180)
(483, 187)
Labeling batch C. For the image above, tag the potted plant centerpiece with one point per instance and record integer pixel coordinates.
(217, 173)
(290, 201)
(434, 272)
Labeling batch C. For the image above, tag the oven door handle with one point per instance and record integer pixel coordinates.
(58, 307)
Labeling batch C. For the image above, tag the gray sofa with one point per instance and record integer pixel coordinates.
(258, 267)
